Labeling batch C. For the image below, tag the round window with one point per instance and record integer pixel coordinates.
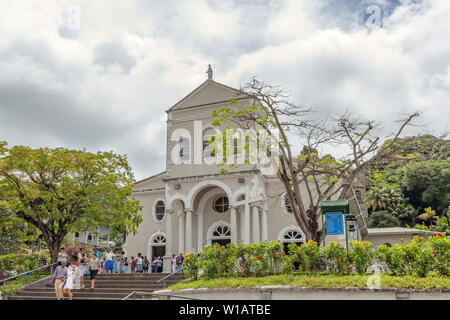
(160, 209)
(221, 204)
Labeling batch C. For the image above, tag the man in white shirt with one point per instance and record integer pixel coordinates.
(109, 260)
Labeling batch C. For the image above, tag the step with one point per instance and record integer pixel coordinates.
(20, 297)
(87, 294)
(95, 290)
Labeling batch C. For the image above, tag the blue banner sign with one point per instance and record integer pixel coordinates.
(334, 223)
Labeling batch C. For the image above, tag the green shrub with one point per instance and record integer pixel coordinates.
(418, 257)
(307, 255)
(361, 254)
(394, 258)
(336, 258)
(262, 259)
(190, 266)
(440, 246)
(12, 264)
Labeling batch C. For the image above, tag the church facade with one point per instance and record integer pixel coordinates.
(193, 203)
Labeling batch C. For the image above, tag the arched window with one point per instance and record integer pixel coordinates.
(221, 232)
(185, 148)
(77, 235)
(291, 233)
(159, 240)
(221, 204)
(292, 236)
(89, 238)
(160, 210)
(208, 136)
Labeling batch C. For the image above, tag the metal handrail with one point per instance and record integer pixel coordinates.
(29, 273)
(134, 293)
(168, 276)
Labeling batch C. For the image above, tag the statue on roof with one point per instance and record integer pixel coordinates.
(210, 72)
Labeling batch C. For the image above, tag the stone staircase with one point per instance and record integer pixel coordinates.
(107, 287)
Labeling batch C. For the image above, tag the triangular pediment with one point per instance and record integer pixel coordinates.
(209, 92)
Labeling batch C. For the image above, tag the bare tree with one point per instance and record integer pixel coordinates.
(293, 126)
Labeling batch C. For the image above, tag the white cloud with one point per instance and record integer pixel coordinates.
(57, 88)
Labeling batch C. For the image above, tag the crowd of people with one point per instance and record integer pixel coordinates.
(71, 275)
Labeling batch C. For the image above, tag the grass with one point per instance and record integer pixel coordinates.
(316, 280)
(14, 285)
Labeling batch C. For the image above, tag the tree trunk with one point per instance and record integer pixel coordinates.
(54, 248)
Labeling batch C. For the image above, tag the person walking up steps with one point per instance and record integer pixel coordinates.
(133, 265)
(122, 262)
(61, 276)
(125, 265)
(139, 263)
(94, 266)
(109, 260)
(83, 267)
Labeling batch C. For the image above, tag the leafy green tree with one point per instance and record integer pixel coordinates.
(404, 212)
(382, 219)
(421, 170)
(14, 233)
(427, 183)
(61, 190)
(382, 197)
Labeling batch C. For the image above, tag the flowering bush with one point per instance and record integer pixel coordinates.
(190, 266)
(261, 259)
(307, 255)
(12, 264)
(393, 258)
(336, 257)
(208, 262)
(418, 257)
(361, 254)
(73, 251)
(440, 246)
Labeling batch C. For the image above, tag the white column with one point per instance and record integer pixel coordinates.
(256, 231)
(189, 230)
(233, 223)
(199, 231)
(180, 232)
(169, 239)
(264, 236)
(241, 223)
(246, 222)
(168, 256)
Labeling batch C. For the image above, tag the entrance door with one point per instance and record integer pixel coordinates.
(158, 251)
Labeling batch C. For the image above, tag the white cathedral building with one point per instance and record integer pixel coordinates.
(193, 203)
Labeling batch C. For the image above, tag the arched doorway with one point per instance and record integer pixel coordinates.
(156, 246)
(220, 233)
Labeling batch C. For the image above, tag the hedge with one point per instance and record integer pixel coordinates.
(418, 257)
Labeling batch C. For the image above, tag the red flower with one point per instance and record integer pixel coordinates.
(407, 247)
(258, 257)
(281, 254)
(337, 244)
(434, 252)
(243, 265)
(337, 259)
(343, 263)
(420, 239)
(273, 253)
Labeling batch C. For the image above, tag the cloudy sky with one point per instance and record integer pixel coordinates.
(100, 74)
